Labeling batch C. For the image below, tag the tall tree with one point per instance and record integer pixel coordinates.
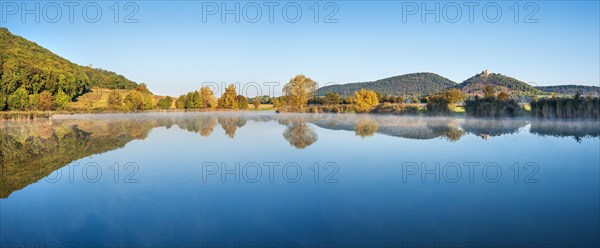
(207, 98)
(242, 102)
(228, 99)
(298, 90)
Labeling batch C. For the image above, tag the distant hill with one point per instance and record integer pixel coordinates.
(409, 84)
(475, 84)
(571, 89)
(25, 64)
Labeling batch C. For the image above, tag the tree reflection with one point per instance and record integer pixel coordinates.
(230, 124)
(447, 129)
(299, 134)
(365, 127)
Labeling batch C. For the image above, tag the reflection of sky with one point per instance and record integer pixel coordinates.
(371, 205)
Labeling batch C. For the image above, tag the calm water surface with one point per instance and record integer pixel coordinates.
(290, 180)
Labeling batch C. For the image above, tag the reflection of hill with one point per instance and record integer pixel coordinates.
(31, 151)
(487, 128)
(575, 129)
(405, 127)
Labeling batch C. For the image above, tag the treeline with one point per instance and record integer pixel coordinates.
(492, 105)
(572, 108)
(34, 78)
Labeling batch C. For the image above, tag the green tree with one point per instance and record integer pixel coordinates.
(454, 96)
(148, 101)
(332, 99)
(180, 102)
(134, 101)
(188, 100)
(242, 102)
(196, 102)
(165, 103)
(115, 100)
(298, 89)
(61, 100)
(228, 99)
(19, 100)
(365, 100)
(489, 91)
(2, 102)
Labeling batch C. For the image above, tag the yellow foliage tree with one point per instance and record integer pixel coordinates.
(298, 90)
(228, 99)
(365, 100)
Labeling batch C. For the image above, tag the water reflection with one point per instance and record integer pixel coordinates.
(32, 150)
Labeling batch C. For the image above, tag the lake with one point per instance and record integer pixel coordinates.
(258, 179)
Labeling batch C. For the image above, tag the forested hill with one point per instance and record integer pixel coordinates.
(571, 89)
(409, 84)
(475, 84)
(26, 65)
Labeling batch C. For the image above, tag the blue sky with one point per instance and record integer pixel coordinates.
(173, 50)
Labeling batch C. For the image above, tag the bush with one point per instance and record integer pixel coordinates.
(391, 108)
(19, 100)
(165, 103)
(580, 108)
(492, 107)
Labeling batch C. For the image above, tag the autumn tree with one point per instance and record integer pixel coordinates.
(415, 99)
(399, 99)
(242, 102)
(365, 100)
(115, 101)
(228, 99)
(45, 101)
(298, 89)
(134, 101)
(207, 98)
(489, 91)
(256, 101)
(503, 96)
(332, 99)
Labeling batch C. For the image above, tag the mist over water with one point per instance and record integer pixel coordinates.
(200, 179)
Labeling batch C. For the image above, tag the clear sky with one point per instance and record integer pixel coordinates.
(175, 46)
